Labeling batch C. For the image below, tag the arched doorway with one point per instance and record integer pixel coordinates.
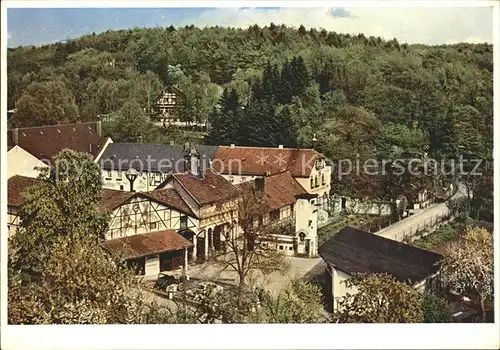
(301, 243)
(200, 245)
(217, 238)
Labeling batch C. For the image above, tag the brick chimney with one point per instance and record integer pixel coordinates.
(15, 136)
(194, 162)
(260, 186)
(99, 128)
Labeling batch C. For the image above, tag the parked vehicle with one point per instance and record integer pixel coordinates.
(168, 282)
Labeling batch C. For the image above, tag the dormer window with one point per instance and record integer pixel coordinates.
(312, 182)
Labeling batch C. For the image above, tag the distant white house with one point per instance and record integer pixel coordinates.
(356, 206)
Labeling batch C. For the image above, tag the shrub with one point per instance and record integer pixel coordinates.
(436, 310)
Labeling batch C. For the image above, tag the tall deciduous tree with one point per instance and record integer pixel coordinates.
(245, 253)
(78, 284)
(468, 265)
(60, 204)
(350, 131)
(130, 123)
(58, 272)
(46, 103)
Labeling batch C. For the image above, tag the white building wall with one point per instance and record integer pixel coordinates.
(145, 182)
(238, 179)
(356, 206)
(282, 243)
(152, 266)
(318, 182)
(306, 221)
(21, 162)
(339, 288)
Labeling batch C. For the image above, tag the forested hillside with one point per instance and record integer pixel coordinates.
(278, 85)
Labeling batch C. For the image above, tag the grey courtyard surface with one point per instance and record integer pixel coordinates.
(274, 282)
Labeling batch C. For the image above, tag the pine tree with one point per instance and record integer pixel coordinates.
(286, 92)
(226, 120)
(300, 76)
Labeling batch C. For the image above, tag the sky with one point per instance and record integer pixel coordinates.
(426, 25)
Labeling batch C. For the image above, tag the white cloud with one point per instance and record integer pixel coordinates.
(471, 39)
(413, 25)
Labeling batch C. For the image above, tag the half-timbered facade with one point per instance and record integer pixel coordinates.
(168, 102)
(145, 220)
(16, 185)
(213, 200)
(143, 213)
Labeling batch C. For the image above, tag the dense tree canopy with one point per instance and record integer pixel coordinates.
(45, 103)
(290, 84)
(467, 266)
(62, 203)
(269, 86)
(379, 298)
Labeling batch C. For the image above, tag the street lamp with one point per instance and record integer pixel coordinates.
(314, 140)
(131, 175)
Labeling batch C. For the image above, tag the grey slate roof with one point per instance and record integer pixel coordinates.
(355, 251)
(145, 157)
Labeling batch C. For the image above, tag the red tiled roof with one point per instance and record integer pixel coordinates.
(280, 191)
(262, 160)
(211, 187)
(44, 142)
(111, 199)
(171, 198)
(17, 184)
(141, 245)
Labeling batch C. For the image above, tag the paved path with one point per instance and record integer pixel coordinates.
(418, 220)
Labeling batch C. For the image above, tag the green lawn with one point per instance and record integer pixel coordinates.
(355, 220)
(448, 233)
